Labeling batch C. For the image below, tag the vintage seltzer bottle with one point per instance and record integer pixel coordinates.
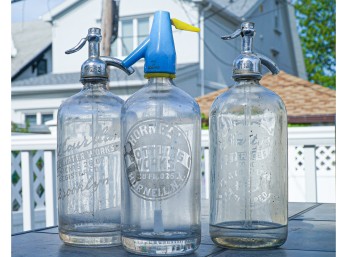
(248, 156)
(161, 140)
(88, 155)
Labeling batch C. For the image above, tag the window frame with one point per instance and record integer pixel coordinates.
(118, 42)
(38, 115)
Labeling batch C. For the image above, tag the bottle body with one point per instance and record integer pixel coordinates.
(248, 158)
(89, 168)
(161, 174)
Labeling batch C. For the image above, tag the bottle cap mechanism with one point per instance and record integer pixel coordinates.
(248, 63)
(95, 67)
(158, 48)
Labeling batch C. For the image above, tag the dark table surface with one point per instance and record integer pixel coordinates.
(312, 232)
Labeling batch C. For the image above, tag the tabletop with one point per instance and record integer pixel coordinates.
(312, 232)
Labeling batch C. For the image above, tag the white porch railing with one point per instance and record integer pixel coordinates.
(311, 172)
(311, 164)
(33, 171)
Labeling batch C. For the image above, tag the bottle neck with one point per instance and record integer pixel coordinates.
(94, 85)
(247, 44)
(161, 82)
(247, 81)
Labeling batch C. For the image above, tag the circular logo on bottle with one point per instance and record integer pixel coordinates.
(157, 158)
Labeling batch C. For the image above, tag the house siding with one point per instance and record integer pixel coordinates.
(218, 60)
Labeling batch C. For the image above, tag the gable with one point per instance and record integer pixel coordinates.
(30, 39)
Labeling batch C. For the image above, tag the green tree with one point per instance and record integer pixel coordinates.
(317, 30)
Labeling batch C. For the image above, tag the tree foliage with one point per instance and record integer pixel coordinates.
(317, 30)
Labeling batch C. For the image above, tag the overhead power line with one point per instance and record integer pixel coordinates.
(283, 4)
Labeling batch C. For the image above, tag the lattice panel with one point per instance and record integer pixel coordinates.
(325, 158)
(38, 175)
(39, 179)
(16, 185)
(299, 159)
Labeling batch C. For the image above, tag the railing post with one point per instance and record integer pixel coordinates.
(207, 172)
(27, 191)
(310, 173)
(50, 188)
(292, 186)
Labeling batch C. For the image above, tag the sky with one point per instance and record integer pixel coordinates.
(28, 10)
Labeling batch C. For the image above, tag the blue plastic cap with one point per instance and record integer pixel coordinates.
(158, 49)
(160, 55)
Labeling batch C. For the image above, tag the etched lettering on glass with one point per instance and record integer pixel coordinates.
(85, 158)
(158, 159)
(247, 151)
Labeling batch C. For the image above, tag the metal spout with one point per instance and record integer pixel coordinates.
(95, 67)
(248, 63)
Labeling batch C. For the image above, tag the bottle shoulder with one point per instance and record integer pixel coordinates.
(172, 98)
(86, 99)
(253, 95)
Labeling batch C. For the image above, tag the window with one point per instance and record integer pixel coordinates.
(46, 117)
(143, 29)
(132, 31)
(42, 67)
(31, 119)
(38, 118)
(127, 37)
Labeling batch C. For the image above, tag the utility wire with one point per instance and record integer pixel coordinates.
(217, 12)
(257, 49)
(216, 57)
(186, 12)
(207, 17)
(219, 25)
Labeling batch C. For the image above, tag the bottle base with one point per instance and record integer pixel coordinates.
(169, 247)
(235, 236)
(105, 239)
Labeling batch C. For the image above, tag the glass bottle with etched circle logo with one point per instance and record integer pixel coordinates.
(88, 155)
(161, 138)
(248, 156)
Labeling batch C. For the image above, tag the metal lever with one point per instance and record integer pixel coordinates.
(96, 66)
(235, 34)
(77, 47)
(248, 63)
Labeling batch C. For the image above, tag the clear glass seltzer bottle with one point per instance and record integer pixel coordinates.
(248, 157)
(161, 130)
(88, 156)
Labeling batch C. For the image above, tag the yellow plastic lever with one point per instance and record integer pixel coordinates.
(178, 24)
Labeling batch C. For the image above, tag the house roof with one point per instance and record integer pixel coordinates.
(61, 9)
(305, 102)
(30, 40)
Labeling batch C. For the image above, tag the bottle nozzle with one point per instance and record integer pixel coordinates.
(158, 48)
(271, 65)
(95, 65)
(248, 63)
